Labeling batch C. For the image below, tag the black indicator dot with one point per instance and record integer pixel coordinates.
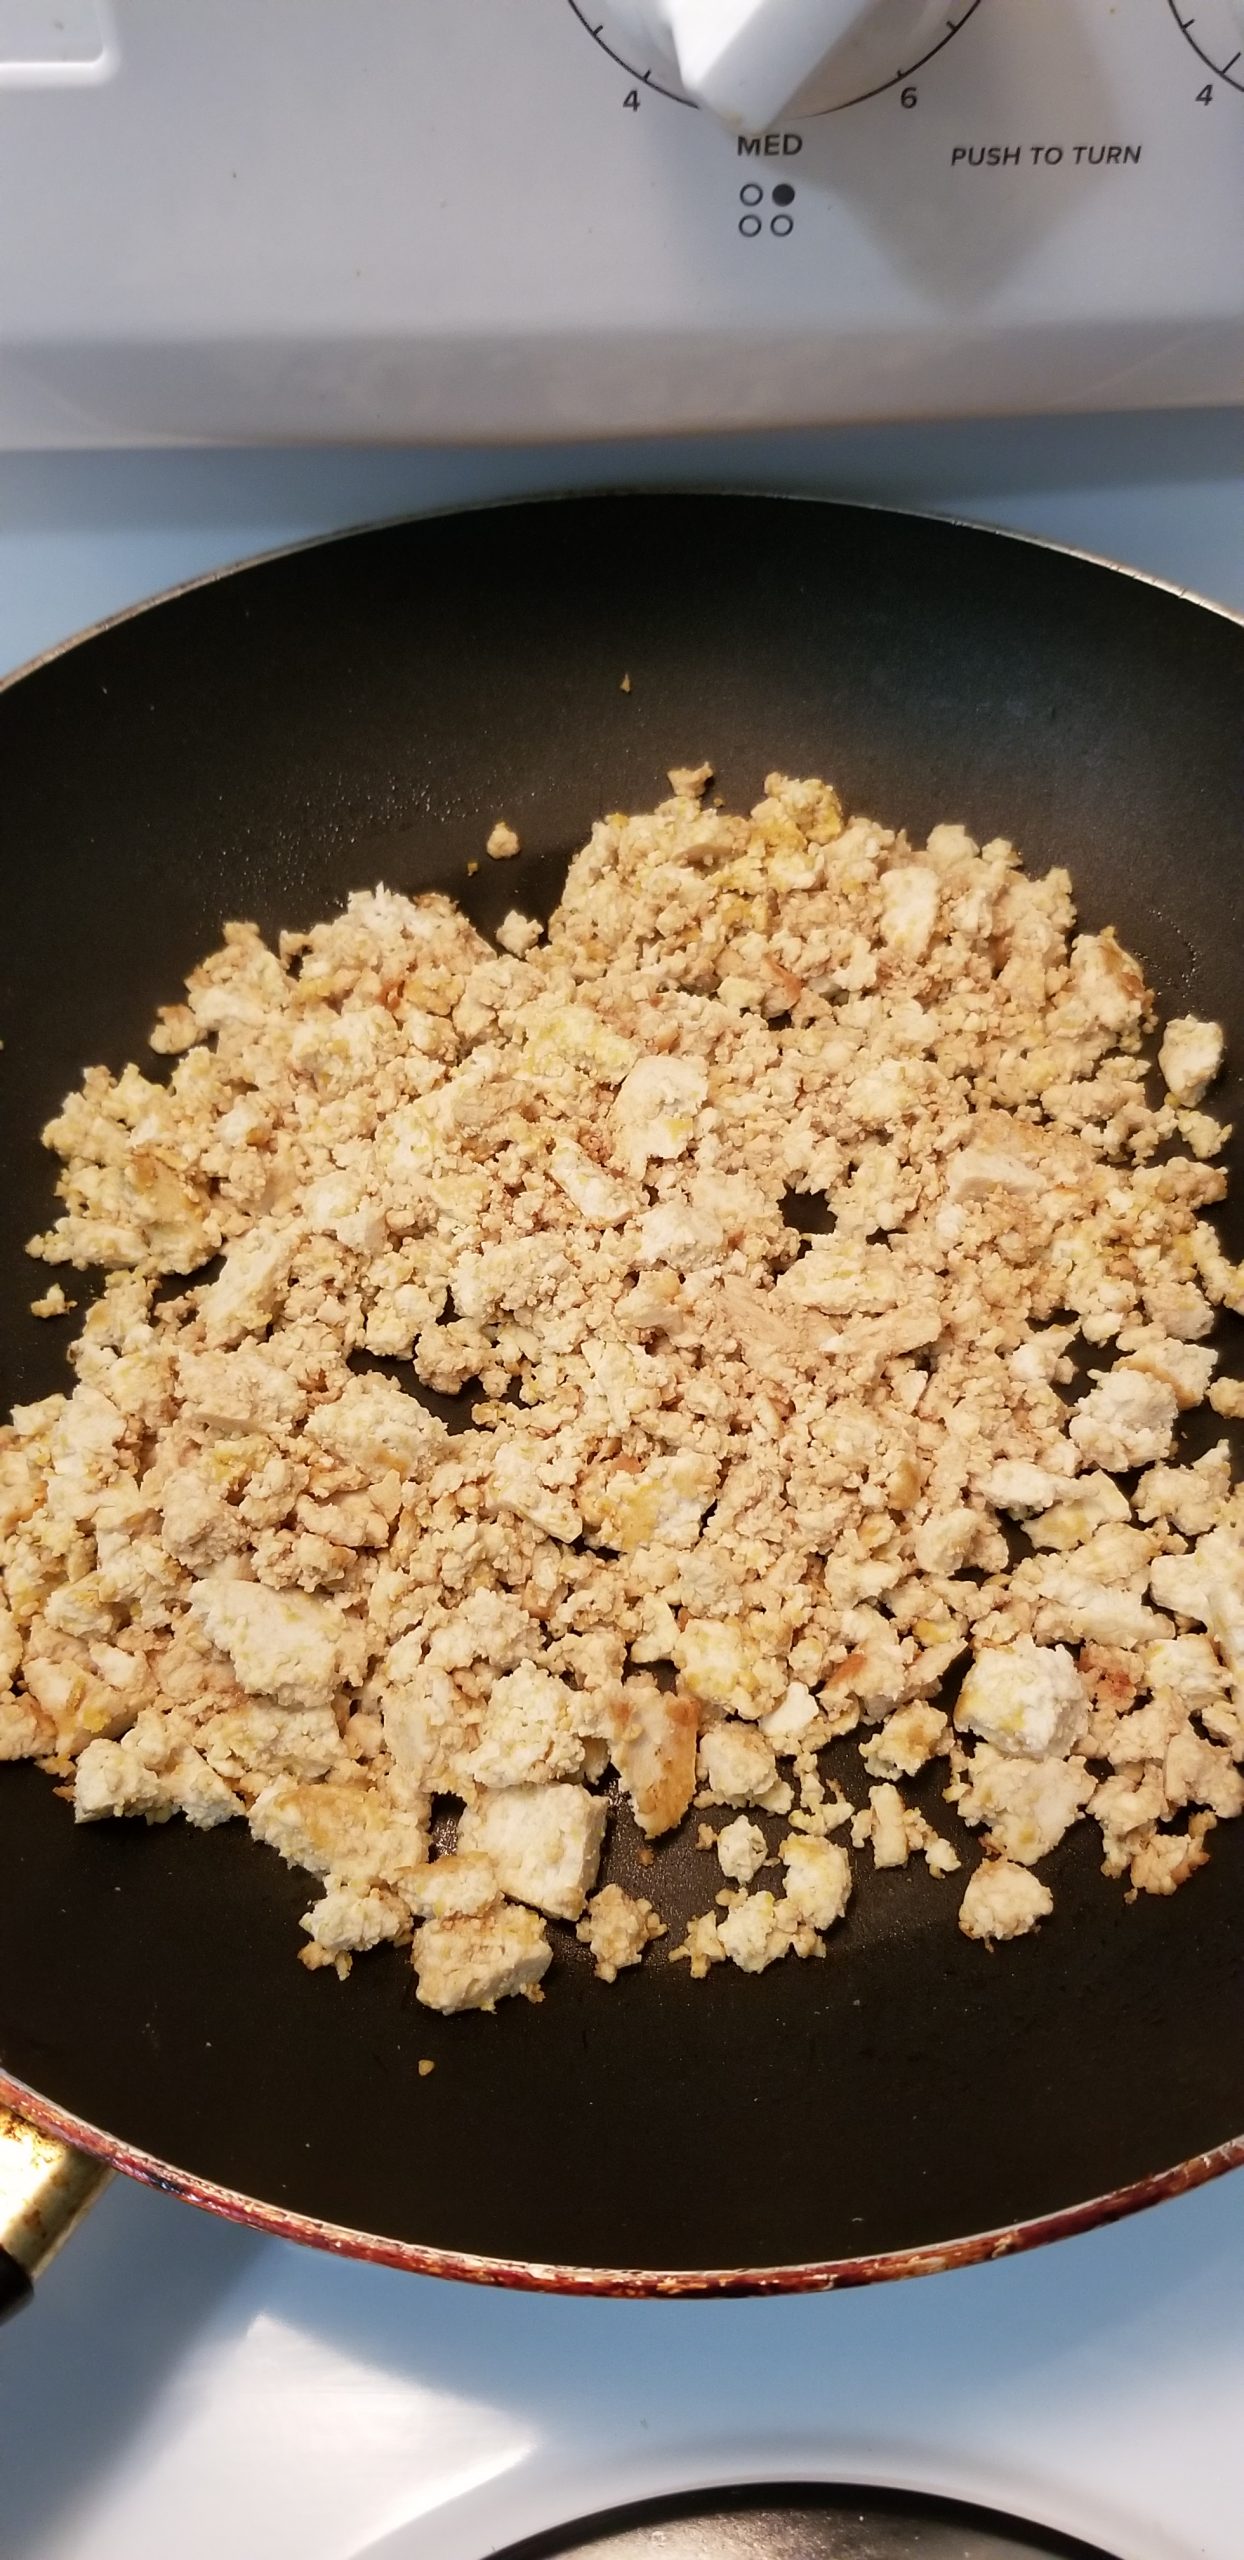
(784, 194)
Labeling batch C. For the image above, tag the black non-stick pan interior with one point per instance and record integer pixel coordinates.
(364, 710)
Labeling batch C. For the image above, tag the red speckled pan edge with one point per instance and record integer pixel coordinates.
(538, 2276)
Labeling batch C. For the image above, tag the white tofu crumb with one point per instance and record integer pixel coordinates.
(904, 1743)
(701, 1949)
(251, 1286)
(110, 1778)
(346, 1832)
(456, 1886)
(53, 1302)
(883, 1824)
(282, 1644)
(741, 1850)
(528, 1732)
(754, 1933)
(737, 1766)
(1091, 1503)
(543, 1841)
(656, 1110)
(725, 1667)
(1127, 1420)
(596, 1195)
(818, 1879)
(473, 1963)
(197, 1791)
(1024, 1697)
(518, 934)
(375, 1426)
(1003, 1901)
(1027, 1804)
(345, 1922)
(501, 844)
(516, 1485)
(1019, 1487)
(1189, 1666)
(1190, 1057)
(785, 1725)
(690, 781)
(618, 1928)
(1162, 1861)
(909, 902)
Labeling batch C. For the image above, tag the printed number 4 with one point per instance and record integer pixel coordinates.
(1204, 95)
(631, 100)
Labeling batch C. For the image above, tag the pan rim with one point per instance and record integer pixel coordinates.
(607, 489)
(797, 2276)
(533, 2275)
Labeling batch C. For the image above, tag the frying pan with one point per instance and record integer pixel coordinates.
(363, 709)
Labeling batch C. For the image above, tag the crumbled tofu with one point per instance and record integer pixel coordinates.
(653, 1747)
(197, 1791)
(727, 1495)
(741, 1850)
(544, 1842)
(724, 1667)
(754, 1932)
(1191, 1498)
(1003, 1901)
(347, 1832)
(251, 1286)
(909, 902)
(473, 1963)
(701, 1949)
(53, 1302)
(906, 1740)
(375, 1426)
(1020, 1487)
(818, 1879)
(1163, 1860)
(1024, 1697)
(345, 1923)
(787, 1726)
(1092, 1503)
(456, 1886)
(1190, 1057)
(528, 1732)
(1127, 1420)
(518, 934)
(1187, 1666)
(737, 1766)
(1027, 1804)
(112, 1778)
(618, 1927)
(656, 1110)
(283, 1645)
(884, 1825)
(595, 1194)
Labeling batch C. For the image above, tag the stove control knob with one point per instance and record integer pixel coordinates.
(746, 60)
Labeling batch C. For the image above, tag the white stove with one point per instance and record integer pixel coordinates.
(181, 2386)
(267, 256)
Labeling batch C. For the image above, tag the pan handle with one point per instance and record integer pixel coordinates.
(45, 2188)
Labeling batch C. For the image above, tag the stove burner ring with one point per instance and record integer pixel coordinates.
(801, 2522)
